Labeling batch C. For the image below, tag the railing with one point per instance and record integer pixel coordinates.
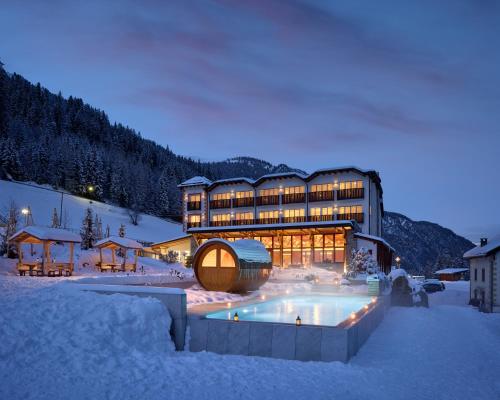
(358, 217)
(243, 221)
(223, 203)
(193, 225)
(356, 193)
(317, 218)
(243, 202)
(326, 195)
(287, 220)
(294, 198)
(220, 223)
(268, 220)
(268, 200)
(194, 205)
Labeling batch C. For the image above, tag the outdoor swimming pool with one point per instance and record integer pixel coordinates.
(324, 310)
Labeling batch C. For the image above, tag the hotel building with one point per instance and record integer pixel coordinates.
(303, 220)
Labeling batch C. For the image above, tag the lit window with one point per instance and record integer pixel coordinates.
(269, 192)
(268, 214)
(243, 216)
(226, 259)
(244, 194)
(294, 213)
(323, 187)
(194, 218)
(351, 185)
(210, 259)
(221, 196)
(294, 189)
(194, 197)
(221, 217)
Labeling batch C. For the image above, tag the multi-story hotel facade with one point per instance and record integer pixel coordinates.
(303, 220)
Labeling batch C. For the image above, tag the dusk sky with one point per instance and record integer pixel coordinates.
(409, 88)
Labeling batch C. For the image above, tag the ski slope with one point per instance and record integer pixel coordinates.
(42, 200)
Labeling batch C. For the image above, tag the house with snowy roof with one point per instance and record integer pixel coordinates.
(485, 274)
(302, 219)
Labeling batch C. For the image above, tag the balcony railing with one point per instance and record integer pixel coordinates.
(194, 205)
(318, 218)
(223, 203)
(220, 223)
(358, 217)
(288, 220)
(243, 202)
(268, 200)
(357, 193)
(243, 221)
(193, 225)
(294, 198)
(326, 195)
(268, 220)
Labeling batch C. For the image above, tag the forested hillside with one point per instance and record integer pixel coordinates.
(48, 139)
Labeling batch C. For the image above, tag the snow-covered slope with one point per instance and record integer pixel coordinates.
(42, 203)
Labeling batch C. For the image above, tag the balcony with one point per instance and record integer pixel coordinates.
(193, 225)
(243, 221)
(326, 195)
(223, 203)
(293, 198)
(318, 218)
(345, 194)
(243, 202)
(288, 220)
(220, 223)
(268, 220)
(268, 200)
(358, 217)
(193, 205)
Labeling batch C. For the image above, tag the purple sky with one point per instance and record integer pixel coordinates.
(409, 88)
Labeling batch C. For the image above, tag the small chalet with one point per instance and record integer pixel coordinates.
(451, 274)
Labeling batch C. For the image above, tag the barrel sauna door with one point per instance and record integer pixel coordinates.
(217, 270)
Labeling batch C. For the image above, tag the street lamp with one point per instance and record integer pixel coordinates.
(25, 212)
(398, 261)
(90, 188)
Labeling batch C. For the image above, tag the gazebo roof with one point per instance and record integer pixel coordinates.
(117, 241)
(41, 233)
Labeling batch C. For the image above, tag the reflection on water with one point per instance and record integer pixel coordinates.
(312, 309)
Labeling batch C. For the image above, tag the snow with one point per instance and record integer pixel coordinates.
(480, 251)
(120, 241)
(374, 238)
(85, 345)
(45, 233)
(195, 181)
(451, 270)
(42, 203)
(246, 249)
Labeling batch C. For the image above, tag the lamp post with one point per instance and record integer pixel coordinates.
(398, 262)
(26, 212)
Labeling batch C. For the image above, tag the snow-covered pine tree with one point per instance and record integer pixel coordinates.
(55, 219)
(362, 262)
(163, 202)
(97, 228)
(107, 231)
(12, 219)
(87, 231)
(121, 230)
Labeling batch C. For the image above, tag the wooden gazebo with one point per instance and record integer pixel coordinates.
(44, 265)
(122, 244)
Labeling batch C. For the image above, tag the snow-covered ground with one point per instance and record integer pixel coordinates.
(42, 203)
(57, 343)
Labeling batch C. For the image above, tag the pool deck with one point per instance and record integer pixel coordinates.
(282, 340)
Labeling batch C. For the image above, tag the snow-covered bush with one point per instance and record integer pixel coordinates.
(362, 261)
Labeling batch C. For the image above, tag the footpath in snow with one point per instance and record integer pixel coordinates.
(56, 343)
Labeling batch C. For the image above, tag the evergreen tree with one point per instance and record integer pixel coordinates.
(107, 231)
(121, 230)
(12, 220)
(97, 228)
(55, 219)
(87, 230)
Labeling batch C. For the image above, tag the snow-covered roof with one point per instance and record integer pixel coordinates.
(196, 181)
(43, 233)
(175, 239)
(119, 241)
(482, 251)
(451, 271)
(247, 250)
(374, 238)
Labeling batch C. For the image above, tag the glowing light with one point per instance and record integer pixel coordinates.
(25, 211)
(236, 318)
(374, 300)
(262, 296)
(298, 321)
(353, 316)
(90, 188)
(366, 307)
(287, 291)
(229, 304)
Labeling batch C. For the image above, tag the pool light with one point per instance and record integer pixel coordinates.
(353, 315)
(229, 304)
(298, 321)
(236, 318)
(366, 307)
(263, 297)
(374, 300)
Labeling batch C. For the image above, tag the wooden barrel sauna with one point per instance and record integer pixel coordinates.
(237, 267)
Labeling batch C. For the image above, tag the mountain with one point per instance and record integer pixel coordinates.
(48, 139)
(424, 246)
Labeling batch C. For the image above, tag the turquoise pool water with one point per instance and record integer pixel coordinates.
(312, 309)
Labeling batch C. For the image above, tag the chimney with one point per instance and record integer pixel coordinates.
(484, 242)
